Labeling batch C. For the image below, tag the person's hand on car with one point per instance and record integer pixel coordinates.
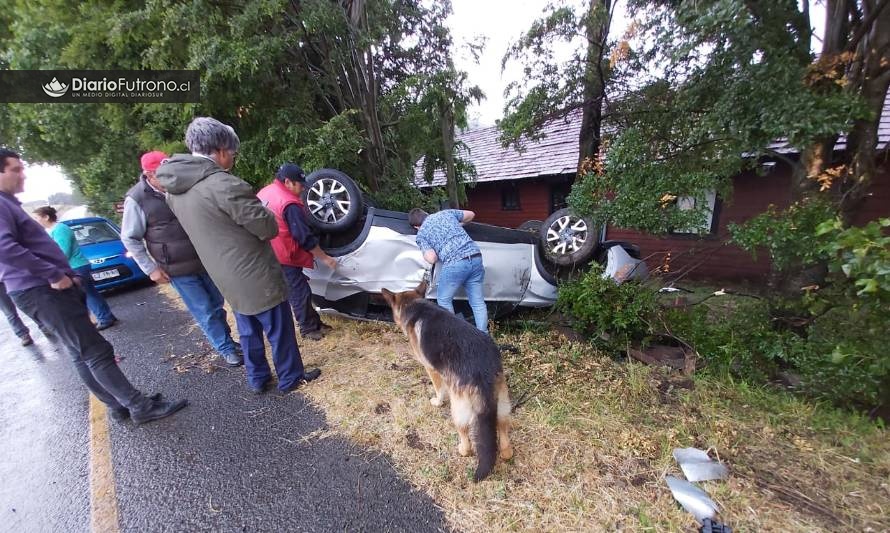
(329, 261)
(159, 276)
(62, 284)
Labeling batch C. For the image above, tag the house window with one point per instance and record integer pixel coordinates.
(510, 197)
(559, 194)
(685, 203)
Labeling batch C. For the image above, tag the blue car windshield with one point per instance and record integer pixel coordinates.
(94, 233)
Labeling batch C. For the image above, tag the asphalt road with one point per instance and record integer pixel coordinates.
(231, 461)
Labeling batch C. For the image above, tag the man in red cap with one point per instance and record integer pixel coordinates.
(162, 249)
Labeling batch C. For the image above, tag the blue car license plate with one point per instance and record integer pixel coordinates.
(106, 274)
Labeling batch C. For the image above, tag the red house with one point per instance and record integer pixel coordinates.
(513, 187)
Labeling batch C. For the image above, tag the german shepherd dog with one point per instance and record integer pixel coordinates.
(464, 365)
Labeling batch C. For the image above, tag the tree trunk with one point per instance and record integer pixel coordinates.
(816, 158)
(447, 118)
(869, 77)
(871, 71)
(599, 18)
(375, 156)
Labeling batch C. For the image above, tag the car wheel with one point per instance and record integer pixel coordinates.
(531, 226)
(568, 239)
(333, 200)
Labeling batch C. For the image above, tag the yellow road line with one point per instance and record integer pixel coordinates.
(104, 516)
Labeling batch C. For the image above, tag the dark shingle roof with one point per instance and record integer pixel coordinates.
(557, 152)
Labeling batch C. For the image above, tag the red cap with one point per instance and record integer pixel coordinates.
(152, 160)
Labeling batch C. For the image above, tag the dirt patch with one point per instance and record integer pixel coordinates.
(413, 440)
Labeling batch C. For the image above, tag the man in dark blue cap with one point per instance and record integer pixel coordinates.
(295, 246)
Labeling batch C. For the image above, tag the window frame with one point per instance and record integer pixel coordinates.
(710, 226)
(510, 189)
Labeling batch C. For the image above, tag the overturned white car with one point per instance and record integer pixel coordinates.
(376, 249)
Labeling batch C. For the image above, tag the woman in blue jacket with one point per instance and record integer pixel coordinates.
(64, 236)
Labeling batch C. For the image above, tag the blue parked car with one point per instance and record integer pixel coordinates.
(100, 240)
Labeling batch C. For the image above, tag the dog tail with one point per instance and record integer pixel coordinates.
(486, 436)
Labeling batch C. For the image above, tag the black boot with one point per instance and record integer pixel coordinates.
(157, 410)
(122, 413)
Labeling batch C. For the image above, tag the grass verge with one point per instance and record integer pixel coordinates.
(593, 440)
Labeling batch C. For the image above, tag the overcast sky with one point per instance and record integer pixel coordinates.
(501, 22)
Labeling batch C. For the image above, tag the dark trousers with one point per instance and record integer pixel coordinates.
(65, 314)
(95, 302)
(278, 324)
(12, 316)
(300, 298)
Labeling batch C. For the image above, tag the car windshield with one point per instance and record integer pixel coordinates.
(94, 232)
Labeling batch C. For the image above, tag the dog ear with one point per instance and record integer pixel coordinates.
(387, 295)
(421, 289)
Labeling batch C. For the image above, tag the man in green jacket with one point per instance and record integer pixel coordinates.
(231, 230)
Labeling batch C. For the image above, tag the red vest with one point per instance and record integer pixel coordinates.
(277, 197)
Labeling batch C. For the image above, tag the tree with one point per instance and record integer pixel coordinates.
(552, 90)
(325, 83)
(445, 95)
(723, 80)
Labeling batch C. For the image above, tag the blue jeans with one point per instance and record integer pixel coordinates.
(469, 274)
(205, 303)
(95, 302)
(278, 324)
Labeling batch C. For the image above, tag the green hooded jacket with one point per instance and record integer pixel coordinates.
(230, 229)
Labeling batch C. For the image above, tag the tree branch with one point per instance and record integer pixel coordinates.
(866, 26)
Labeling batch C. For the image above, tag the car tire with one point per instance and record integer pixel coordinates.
(568, 239)
(531, 226)
(333, 200)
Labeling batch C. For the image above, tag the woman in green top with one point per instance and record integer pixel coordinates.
(64, 237)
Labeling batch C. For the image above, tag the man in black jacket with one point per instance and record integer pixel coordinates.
(162, 249)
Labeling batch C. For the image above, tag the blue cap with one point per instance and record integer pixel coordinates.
(291, 171)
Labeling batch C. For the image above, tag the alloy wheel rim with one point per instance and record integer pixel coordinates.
(328, 200)
(566, 235)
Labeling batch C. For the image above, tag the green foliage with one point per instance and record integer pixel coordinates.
(720, 81)
(790, 235)
(840, 354)
(741, 342)
(839, 357)
(617, 313)
(846, 359)
(335, 143)
(552, 88)
(862, 255)
(321, 84)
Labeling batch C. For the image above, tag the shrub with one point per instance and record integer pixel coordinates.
(741, 342)
(613, 313)
(834, 337)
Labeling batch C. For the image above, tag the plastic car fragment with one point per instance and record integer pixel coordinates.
(621, 267)
(698, 466)
(692, 498)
